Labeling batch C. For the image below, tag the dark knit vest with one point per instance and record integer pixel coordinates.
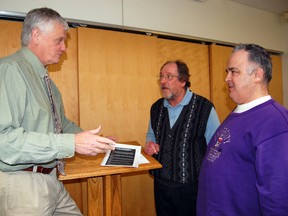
(183, 146)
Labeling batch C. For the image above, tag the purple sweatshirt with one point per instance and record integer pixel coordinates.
(245, 170)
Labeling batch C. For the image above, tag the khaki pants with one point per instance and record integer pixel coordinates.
(34, 194)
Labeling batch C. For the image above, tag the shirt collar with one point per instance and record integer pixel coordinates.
(244, 107)
(36, 63)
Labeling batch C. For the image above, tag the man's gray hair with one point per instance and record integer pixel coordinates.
(41, 18)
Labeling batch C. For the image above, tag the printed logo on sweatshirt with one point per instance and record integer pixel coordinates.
(221, 138)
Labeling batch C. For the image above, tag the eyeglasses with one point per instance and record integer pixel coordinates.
(168, 77)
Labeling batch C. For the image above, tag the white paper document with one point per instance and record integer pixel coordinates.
(124, 155)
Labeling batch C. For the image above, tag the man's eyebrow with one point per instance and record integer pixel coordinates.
(230, 68)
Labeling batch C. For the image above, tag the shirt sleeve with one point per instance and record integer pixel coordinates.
(212, 125)
(271, 168)
(150, 136)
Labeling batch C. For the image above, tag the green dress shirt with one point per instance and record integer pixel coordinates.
(27, 135)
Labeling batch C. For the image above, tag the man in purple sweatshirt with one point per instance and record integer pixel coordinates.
(245, 169)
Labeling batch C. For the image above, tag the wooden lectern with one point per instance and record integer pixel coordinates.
(104, 183)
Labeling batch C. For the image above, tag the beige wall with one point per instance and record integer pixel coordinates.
(220, 20)
(211, 20)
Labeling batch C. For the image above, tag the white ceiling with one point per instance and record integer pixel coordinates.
(274, 6)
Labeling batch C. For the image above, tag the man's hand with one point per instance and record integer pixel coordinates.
(151, 148)
(90, 144)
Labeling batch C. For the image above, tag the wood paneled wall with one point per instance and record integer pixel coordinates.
(108, 78)
(118, 84)
(196, 56)
(276, 84)
(219, 91)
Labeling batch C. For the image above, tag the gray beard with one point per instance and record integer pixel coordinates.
(169, 97)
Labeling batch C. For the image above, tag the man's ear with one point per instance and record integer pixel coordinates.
(258, 74)
(35, 35)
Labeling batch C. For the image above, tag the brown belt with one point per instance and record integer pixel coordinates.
(40, 169)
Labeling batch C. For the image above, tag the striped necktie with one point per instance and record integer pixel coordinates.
(56, 119)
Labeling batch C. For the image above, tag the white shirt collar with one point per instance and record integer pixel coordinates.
(244, 107)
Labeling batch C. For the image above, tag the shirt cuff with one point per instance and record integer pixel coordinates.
(66, 145)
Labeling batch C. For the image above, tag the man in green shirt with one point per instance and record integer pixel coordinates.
(35, 134)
